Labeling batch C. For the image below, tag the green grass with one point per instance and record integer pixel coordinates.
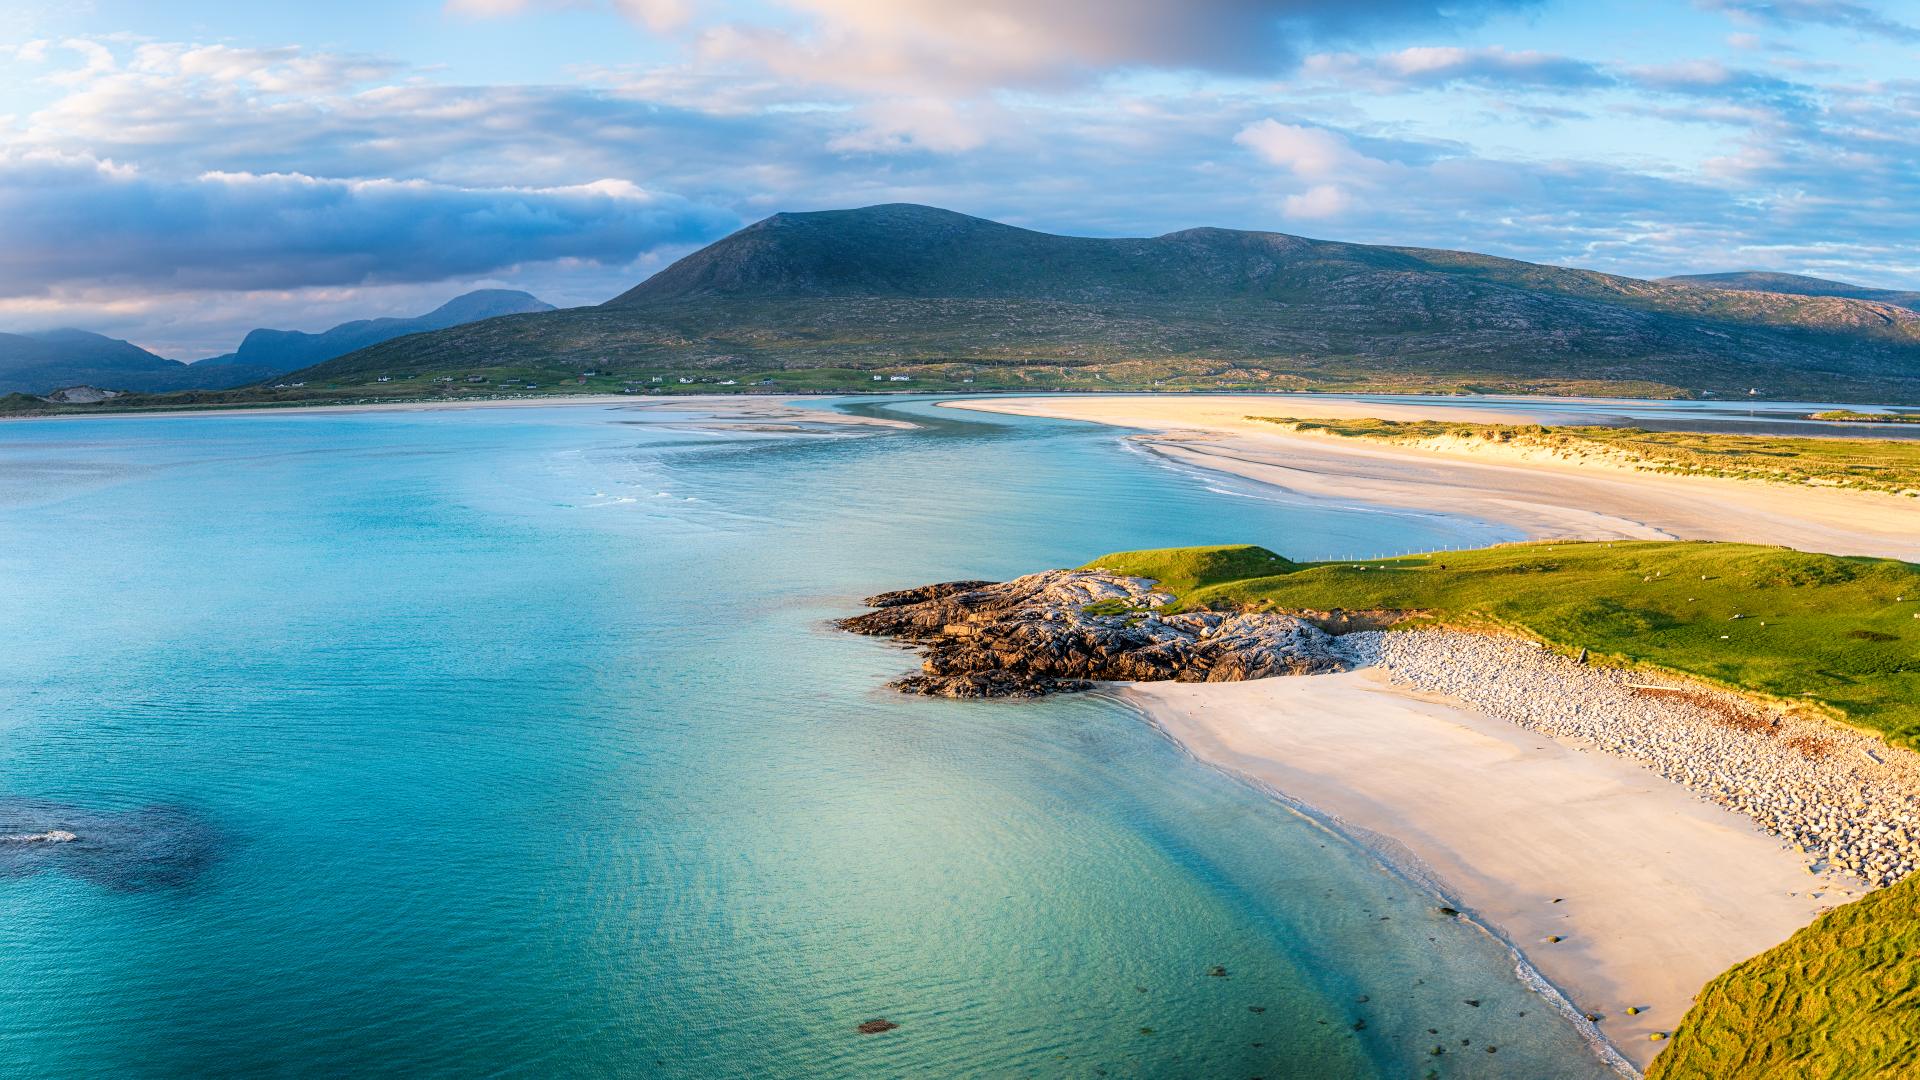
(1891, 465)
(1840, 1000)
(1851, 417)
(1183, 570)
(1832, 636)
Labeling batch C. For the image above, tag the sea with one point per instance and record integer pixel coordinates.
(518, 742)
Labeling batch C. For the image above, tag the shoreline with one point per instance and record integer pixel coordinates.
(1543, 499)
(1393, 857)
(1652, 889)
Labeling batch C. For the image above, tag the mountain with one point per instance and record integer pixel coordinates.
(1766, 281)
(36, 363)
(824, 300)
(280, 351)
(39, 363)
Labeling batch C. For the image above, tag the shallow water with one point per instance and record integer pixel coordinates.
(513, 742)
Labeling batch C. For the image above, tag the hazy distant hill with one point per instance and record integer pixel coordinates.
(281, 351)
(1765, 281)
(916, 289)
(37, 363)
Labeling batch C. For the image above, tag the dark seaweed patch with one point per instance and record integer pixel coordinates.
(140, 850)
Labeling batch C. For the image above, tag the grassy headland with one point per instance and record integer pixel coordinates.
(1849, 416)
(1831, 635)
(1891, 465)
(1840, 998)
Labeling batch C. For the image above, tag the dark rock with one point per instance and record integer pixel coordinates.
(1035, 635)
(876, 1027)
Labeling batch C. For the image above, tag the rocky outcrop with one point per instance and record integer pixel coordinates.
(51, 836)
(81, 395)
(1063, 629)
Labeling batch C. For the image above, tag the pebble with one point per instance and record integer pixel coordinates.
(1847, 799)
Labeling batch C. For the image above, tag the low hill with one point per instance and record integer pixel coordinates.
(37, 363)
(824, 300)
(1800, 285)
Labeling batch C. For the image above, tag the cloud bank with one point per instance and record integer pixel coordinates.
(79, 221)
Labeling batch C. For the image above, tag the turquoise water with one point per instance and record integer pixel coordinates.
(513, 743)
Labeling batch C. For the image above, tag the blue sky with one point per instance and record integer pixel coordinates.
(178, 173)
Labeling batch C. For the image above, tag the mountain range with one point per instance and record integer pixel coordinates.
(826, 299)
(40, 362)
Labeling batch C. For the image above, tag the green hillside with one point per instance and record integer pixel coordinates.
(917, 298)
(954, 301)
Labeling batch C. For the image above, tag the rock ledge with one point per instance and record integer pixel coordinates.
(1062, 629)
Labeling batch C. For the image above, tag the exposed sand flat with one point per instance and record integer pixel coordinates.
(1659, 891)
(1543, 496)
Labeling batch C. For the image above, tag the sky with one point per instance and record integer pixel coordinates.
(178, 173)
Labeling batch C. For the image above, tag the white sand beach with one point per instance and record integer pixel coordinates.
(1541, 496)
(1651, 890)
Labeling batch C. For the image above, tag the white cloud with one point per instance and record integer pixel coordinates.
(1310, 153)
(1317, 202)
(914, 124)
(1430, 66)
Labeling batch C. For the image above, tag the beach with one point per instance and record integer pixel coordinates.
(1627, 868)
(1622, 890)
(1543, 496)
